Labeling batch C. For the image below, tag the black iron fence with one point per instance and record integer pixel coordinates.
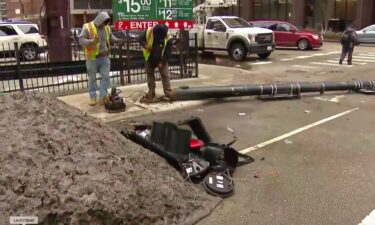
(26, 66)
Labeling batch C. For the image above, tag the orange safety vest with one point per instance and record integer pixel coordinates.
(92, 51)
(150, 41)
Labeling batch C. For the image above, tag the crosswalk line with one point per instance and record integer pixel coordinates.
(307, 67)
(354, 62)
(310, 56)
(364, 57)
(304, 56)
(260, 63)
(330, 64)
(367, 54)
(361, 60)
(364, 60)
(318, 54)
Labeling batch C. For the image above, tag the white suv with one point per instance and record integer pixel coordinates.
(26, 34)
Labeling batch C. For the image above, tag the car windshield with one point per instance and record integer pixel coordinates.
(370, 28)
(236, 23)
(28, 29)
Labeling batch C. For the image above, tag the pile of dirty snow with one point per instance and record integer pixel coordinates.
(67, 168)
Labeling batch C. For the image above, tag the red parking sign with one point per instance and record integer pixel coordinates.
(144, 24)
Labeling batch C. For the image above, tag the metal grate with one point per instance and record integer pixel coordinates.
(264, 39)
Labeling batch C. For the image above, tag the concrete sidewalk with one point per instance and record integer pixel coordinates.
(209, 75)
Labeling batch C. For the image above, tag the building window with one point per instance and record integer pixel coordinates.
(266, 12)
(257, 9)
(351, 12)
(92, 4)
(272, 9)
(346, 10)
(314, 14)
(340, 9)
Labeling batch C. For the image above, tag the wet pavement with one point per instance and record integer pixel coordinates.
(322, 175)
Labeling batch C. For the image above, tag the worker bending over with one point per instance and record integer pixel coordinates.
(157, 48)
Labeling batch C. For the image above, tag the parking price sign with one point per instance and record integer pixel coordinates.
(141, 14)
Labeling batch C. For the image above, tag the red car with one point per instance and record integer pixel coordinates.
(288, 35)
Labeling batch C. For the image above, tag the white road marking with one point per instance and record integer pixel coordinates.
(362, 60)
(364, 57)
(369, 220)
(335, 61)
(330, 64)
(304, 56)
(299, 130)
(318, 54)
(368, 54)
(307, 67)
(310, 56)
(334, 99)
(260, 63)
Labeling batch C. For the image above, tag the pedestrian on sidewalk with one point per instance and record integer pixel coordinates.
(157, 49)
(96, 38)
(348, 40)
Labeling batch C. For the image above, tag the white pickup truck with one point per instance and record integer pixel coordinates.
(236, 36)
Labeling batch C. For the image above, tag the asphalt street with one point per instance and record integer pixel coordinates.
(322, 175)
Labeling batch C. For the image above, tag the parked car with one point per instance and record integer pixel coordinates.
(366, 35)
(288, 35)
(26, 34)
(234, 35)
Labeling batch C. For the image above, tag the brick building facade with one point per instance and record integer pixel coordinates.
(81, 11)
(25, 9)
(3, 9)
(312, 14)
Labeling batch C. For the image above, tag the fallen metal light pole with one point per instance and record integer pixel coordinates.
(293, 89)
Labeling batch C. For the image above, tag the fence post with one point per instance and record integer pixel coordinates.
(120, 60)
(128, 55)
(196, 54)
(18, 59)
(182, 52)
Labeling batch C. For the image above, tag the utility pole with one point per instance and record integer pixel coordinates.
(58, 30)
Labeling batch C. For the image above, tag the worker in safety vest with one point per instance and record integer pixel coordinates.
(157, 48)
(96, 38)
